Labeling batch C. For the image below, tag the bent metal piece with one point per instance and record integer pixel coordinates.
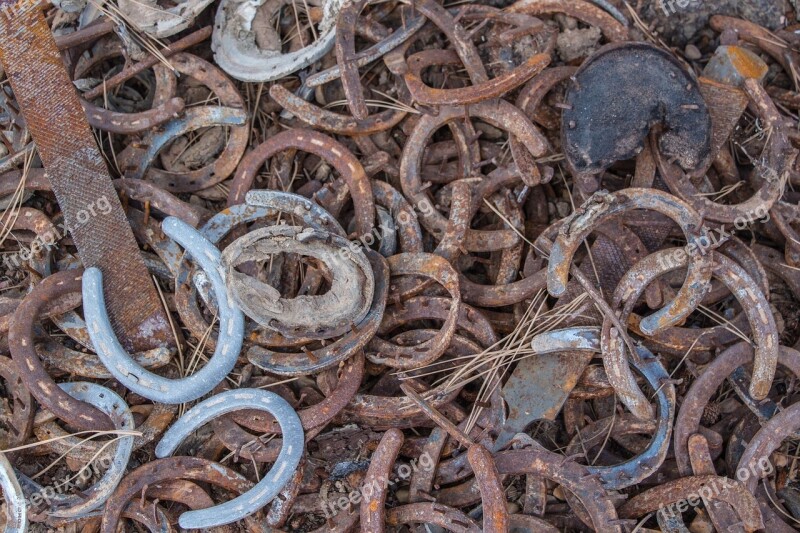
(188, 468)
(602, 206)
(137, 161)
(262, 206)
(319, 317)
(109, 402)
(152, 60)
(446, 518)
(493, 497)
(143, 382)
(319, 414)
(755, 307)
(61, 442)
(272, 482)
(236, 51)
(346, 54)
(643, 465)
(21, 404)
(132, 123)
(768, 439)
(79, 176)
(23, 352)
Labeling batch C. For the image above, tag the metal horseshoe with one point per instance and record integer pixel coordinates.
(122, 365)
(272, 482)
(109, 402)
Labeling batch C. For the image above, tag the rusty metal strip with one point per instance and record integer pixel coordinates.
(79, 176)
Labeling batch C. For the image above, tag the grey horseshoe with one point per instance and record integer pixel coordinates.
(272, 482)
(286, 202)
(109, 402)
(634, 470)
(17, 509)
(121, 364)
(319, 317)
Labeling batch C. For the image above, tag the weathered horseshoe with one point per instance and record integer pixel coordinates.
(114, 406)
(194, 468)
(136, 160)
(20, 341)
(331, 122)
(473, 94)
(322, 146)
(600, 127)
(310, 361)
(346, 303)
(703, 388)
(236, 51)
(570, 475)
(579, 9)
(754, 305)
(365, 57)
(673, 491)
(438, 269)
(640, 467)
(772, 169)
(603, 206)
(497, 113)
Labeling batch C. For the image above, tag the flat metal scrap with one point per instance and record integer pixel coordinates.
(79, 175)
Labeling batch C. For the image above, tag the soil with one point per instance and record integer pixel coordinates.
(678, 21)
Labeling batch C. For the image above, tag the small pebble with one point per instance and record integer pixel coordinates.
(692, 52)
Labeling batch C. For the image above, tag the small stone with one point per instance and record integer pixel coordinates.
(692, 52)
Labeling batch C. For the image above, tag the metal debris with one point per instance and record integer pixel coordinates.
(455, 267)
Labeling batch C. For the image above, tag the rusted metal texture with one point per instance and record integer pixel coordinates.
(79, 176)
(454, 267)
